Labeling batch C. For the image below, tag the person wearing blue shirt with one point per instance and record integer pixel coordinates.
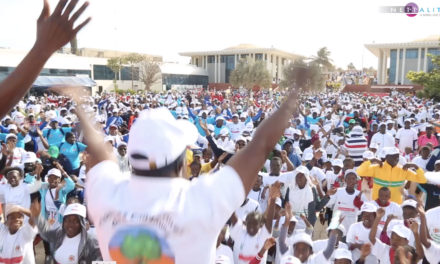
(71, 150)
(14, 130)
(114, 120)
(55, 135)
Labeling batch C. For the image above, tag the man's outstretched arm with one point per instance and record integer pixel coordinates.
(248, 161)
(53, 32)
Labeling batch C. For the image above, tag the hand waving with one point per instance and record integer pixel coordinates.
(56, 30)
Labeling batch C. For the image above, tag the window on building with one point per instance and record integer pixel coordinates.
(102, 72)
(432, 51)
(126, 74)
(265, 57)
(258, 56)
(393, 63)
(197, 62)
(211, 59)
(244, 56)
(412, 53)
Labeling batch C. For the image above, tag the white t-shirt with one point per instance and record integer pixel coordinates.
(246, 247)
(383, 140)
(224, 254)
(51, 209)
(432, 254)
(432, 220)
(236, 129)
(19, 195)
(321, 245)
(392, 209)
(406, 138)
(343, 202)
(419, 161)
(359, 234)
(67, 253)
(182, 218)
(381, 251)
(19, 246)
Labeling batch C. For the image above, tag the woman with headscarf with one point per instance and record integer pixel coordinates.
(303, 196)
(69, 243)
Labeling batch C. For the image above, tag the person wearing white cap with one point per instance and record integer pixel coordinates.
(344, 200)
(69, 243)
(235, 127)
(302, 248)
(382, 138)
(400, 235)
(13, 154)
(358, 233)
(15, 191)
(250, 235)
(342, 256)
(390, 128)
(390, 174)
(156, 202)
(17, 235)
(406, 137)
(423, 158)
(334, 175)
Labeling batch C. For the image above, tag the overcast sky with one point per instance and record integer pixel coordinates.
(167, 27)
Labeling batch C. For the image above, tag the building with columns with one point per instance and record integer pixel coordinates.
(395, 60)
(219, 64)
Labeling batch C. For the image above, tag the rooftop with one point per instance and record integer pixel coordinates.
(242, 49)
(432, 41)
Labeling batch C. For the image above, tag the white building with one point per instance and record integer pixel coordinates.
(63, 64)
(400, 58)
(220, 63)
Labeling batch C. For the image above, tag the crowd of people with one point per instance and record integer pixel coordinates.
(209, 177)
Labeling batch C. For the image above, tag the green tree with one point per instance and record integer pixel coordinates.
(300, 74)
(149, 73)
(351, 66)
(429, 80)
(133, 59)
(250, 73)
(115, 64)
(322, 59)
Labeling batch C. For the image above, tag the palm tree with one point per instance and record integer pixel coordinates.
(322, 58)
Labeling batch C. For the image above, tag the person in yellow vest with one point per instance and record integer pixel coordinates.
(390, 174)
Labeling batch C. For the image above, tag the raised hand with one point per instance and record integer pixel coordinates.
(270, 242)
(365, 250)
(35, 208)
(274, 190)
(56, 30)
(414, 227)
(331, 191)
(380, 213)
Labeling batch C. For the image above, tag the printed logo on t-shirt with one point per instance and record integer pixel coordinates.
(17, 248)
(139, 244)
(72, 258)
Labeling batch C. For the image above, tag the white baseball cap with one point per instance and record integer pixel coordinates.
(402, 231)
(11, 136)
(342, 253)
(409, 202)
(390, 151)
(368, 208)
(12, 127)
(290, 260)
(29, 157)
(12, 208)
(159, 138)
(303, 238)
(55, 172)
(75, 209)
(437, 162)
(340, 228)
(337, 163)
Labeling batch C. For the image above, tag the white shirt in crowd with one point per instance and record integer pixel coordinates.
(67, 253)
(406, 138)
(343, 202)
(17, 248)
(19, 195)
(236, 129)
(392, 209)
(246, 247)
(383, 140)
(432, 254)
(184, 217)
(224, 254)
(359, 234)
(419, 161)
(432, 220)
